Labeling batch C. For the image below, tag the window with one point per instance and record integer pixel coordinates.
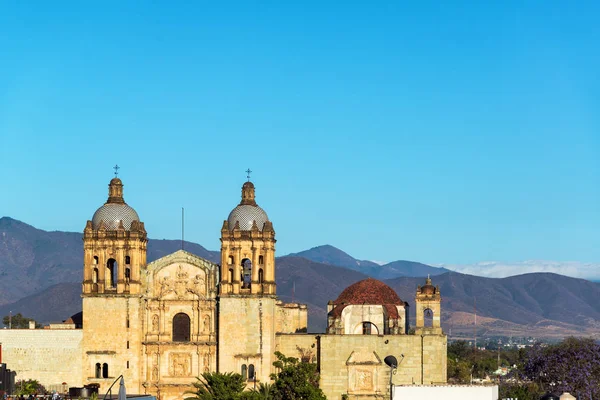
(127, 364)
(113, 271)
(244, 372)
(230, 275)
(105, 370)
(261, 260)
(127, 275)
(260, 276)
(95, 260)
(181, 328)
(98, 370)
(127, 260)
(368, 328)
(230, 260)
(251, 372)
(128, 346)
(95, 275)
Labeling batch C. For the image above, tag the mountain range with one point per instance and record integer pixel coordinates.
(41, 272)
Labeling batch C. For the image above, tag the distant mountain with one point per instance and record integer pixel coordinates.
(331, 255)
(40, 276)
(53, 304)
(32, 259)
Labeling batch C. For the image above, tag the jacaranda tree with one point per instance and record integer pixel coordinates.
(570, 366)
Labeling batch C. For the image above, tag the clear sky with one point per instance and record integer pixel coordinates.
(442, 132)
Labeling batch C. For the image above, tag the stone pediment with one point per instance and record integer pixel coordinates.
(181, 256)
(181, 276)
(363, 357)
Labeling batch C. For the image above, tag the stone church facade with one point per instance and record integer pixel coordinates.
(161, 324)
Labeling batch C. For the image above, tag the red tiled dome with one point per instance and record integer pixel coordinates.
(368, 291)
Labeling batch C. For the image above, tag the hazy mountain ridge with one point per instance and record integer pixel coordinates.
(41, 277)
(331, 255)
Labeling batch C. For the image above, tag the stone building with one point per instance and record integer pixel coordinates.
(162, 324)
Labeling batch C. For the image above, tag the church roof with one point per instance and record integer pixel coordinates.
(368, 292)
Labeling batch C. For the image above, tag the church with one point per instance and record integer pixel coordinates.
(162, 324)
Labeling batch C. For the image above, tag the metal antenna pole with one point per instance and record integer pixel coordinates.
(182, 228)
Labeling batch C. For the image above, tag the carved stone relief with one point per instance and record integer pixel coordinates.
(181, 285)
(180, 364)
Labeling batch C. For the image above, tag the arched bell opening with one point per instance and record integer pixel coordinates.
(246, 273)
(112, 269)
(428, 318)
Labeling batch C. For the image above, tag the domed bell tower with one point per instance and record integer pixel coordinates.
(247, 301)
(114, 247)
(247, 249)
(428, 308)
(114, 244)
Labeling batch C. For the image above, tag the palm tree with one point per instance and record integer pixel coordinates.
(217, 386)
(265, 391)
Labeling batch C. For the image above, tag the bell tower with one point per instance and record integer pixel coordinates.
(247, 249)
(247, 301)
(114, 247)
(428, 309)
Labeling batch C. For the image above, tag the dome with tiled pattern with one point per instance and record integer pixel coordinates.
(112, 213)
(115, 211)
(247, 212)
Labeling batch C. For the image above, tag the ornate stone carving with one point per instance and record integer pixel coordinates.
(364, 380)
(155, 323)
(181, 285)
(206, 362)
(180, 364)
(206, 324)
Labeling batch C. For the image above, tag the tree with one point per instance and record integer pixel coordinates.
(18, 321)
(521, 391)
(217, 386)
(570, 366)
(295, 380)
(29, 386)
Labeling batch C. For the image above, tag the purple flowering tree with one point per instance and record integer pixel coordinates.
(570, 366)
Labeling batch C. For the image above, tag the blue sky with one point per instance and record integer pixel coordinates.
(442, 133)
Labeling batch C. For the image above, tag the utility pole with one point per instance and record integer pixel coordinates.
(475, 324)
(10, 320)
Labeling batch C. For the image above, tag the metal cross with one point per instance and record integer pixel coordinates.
(248, 171)
(116, 168)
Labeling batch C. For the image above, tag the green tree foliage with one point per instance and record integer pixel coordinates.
(217, 386)
(29, 386)
(295, 380)
(264, 391)
(521, 391)
(18, 321)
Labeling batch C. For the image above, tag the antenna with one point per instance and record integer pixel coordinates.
(475, 324)
(182, 228)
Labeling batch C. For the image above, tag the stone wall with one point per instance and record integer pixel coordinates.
(50, 356)
(247, 334)
(291, 317)
(353, 364)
